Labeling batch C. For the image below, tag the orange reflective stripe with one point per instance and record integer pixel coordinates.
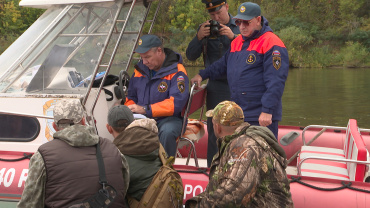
(236, 44)
(265, 43)
(180, 68)
(137, 73)
(129, 102)
(163, 108)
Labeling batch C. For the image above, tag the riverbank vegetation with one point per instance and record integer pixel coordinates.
(317, 33)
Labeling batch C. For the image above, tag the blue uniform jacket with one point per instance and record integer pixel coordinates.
(256, 68)
(166, 93)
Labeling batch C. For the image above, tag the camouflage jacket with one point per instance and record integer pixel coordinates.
(248, 171)
(34, 191)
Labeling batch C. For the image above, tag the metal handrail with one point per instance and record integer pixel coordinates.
(26, 115)
(327, 127)
(330, 159)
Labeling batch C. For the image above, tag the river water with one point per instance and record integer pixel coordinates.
(324, 96)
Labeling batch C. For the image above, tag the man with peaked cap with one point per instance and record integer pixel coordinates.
(256, 66)
(159, 89)
(64, 171)
(213, 48)
(138, 141)
(249, 168)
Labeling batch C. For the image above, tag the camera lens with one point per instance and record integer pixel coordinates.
(214, 27)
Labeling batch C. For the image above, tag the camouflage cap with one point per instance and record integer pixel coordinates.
(227, 113)
(69, 109)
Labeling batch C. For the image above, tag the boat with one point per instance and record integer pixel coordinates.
(68, 53)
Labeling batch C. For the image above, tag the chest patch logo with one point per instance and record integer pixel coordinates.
(276, 59)
(162, 87)
(251, 59)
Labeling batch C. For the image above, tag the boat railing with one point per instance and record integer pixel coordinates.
(329, 159)
(326, 128)
(26, 115)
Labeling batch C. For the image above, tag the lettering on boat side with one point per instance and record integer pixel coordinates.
(189, 190)
(7, 177)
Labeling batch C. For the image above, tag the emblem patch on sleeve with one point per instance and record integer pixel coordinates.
(181, 83)
(162, 87)
(251, 58)
(276, 59)
(181, 86)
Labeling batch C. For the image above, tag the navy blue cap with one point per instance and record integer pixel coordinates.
(147, 42)
(214, 5)
(248, 11)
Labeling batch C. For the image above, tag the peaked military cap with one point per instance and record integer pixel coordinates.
(214, 5)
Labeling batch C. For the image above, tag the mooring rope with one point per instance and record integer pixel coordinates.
(26, 156)
(344, 185)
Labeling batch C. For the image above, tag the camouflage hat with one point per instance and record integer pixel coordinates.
(119, 112)
(227, 113)
(69, 109)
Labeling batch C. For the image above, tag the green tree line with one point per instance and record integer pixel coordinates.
(317, 33)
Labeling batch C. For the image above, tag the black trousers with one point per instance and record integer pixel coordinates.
(217, 91)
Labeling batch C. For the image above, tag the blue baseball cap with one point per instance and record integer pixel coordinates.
(147, 42)
(248, 11)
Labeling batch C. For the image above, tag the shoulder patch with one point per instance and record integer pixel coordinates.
(276, 59)
(162, 87)
(181, 86)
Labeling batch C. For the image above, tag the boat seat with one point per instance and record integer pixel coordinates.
(192, 129)
(343, 164)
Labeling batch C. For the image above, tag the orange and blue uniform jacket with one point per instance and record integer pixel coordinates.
(256, 68)
(164, 94)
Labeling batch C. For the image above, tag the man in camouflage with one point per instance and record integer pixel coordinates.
(65, 170)
(249, 168)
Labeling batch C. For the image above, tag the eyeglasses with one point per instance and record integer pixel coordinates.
(238, 22)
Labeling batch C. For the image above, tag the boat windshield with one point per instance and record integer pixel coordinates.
(62, 49)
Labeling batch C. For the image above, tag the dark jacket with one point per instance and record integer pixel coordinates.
(257, 68)
(72, 173)
(139, 143)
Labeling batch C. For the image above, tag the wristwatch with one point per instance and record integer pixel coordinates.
(146, 108)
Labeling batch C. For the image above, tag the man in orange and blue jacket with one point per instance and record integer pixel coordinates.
(256, 66)
(159, 89)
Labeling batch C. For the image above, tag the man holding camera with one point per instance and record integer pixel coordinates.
(213, 39)
(256, 66)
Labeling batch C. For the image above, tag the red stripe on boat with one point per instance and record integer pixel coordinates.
(325, 173)
(329, 163)
(324, 153)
